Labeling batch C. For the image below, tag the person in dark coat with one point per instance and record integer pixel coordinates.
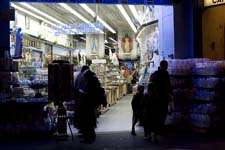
(77, 80)
(76, 97)
(90, 94)
(160, 79)
(149, 110)
(137, 107)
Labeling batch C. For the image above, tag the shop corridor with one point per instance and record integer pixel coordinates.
(118, 117)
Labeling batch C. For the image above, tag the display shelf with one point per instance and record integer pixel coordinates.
(8, 80)
(8, 84)
(36, 79)
(23, 119)
(98, 66)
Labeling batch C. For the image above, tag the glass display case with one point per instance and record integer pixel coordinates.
(33, 82)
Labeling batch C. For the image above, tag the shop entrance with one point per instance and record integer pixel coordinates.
(115, 36)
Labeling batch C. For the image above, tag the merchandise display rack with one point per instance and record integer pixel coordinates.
(7, 67)
(19, 117)
(116, 82)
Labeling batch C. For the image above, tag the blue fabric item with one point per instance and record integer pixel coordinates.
(19, 44)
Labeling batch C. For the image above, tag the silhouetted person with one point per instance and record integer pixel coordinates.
(149, 110)
(77, 80)
(90, 96)
(135, 76)
(161, 82)
(76, 96)
(136, 104)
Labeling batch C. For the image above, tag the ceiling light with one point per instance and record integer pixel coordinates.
(91, 12)
(106, 25)
(32, 14)
(74, 12)
(107, 47)
(122, 10)
(71, 10)
(134, 12)
(41, 13)
(83, 38)
(112, 40)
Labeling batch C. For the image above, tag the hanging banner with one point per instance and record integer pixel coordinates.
(131, 2)
(213, 2)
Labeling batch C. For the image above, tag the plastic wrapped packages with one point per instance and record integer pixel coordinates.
(180, 67)
(198, 60)
(200, 120)
(182, 94)
(206, 121)
(176, 118)
(209, 82)
(209, 68)
(182, 107)
(181, 82)
(204, 108)
(208, 95)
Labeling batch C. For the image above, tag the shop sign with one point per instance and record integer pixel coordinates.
(79, 28)
(143, 2)
(213, 2)
(98, 61)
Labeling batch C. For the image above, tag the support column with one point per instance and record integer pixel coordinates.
(183, 29)
(4, 27)
(197, 24)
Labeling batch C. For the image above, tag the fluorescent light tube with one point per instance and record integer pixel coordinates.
(71, 10)
(112, 40)
(89, 10)
(41, 13)
(125, 15)
(83, 38)
(32, 14)
(74, 12)
(106, 25)
(93, 14)
(134, 12)
(107, 47)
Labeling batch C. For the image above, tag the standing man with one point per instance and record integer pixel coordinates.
(90, 95)
(161, 81)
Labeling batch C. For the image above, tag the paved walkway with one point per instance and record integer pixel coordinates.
(113, 133)
(118, 117)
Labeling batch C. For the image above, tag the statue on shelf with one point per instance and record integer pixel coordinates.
(19, 44)
(115, 58)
